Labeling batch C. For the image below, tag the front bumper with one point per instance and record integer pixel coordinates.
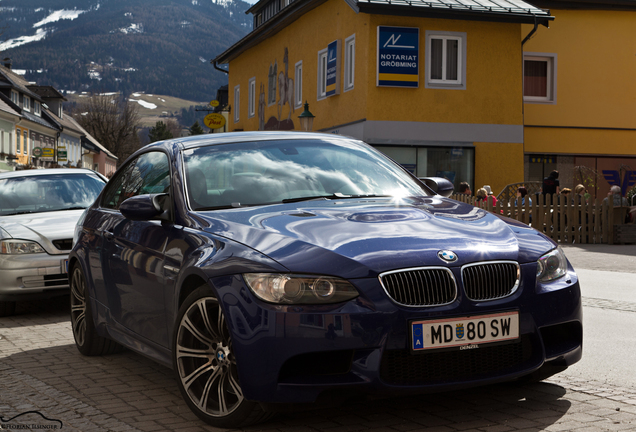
(32, 276)
(293, 354)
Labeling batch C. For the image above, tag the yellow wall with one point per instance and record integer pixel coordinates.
(498, 165)
(493, 77)
(493, 87)
(596, 62)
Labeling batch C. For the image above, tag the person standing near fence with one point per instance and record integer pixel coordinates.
(551, 184)
(619, 199)
(580, 194)
(464, 189)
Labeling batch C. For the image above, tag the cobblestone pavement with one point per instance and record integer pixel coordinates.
(41, 370)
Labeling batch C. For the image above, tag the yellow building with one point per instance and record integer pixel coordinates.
(438, 86)
(580, 95)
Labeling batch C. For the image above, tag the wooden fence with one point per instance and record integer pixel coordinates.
(566, 220)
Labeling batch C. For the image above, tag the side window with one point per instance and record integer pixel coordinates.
(446, 60)
(350, 62)
(148, 174)
(539, 77)
(322, 74)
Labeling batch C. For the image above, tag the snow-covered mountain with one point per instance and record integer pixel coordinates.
(160, 46)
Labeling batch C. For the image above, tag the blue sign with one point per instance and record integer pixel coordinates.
(332, 68)
(398, 56)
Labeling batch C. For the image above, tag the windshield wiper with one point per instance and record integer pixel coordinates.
(336, 195)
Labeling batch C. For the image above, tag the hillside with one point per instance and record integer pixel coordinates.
(160, 46)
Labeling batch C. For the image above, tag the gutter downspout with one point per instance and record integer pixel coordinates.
(523, 108)
(222, 70)
(532, 32)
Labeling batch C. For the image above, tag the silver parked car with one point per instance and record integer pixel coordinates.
(38, 213)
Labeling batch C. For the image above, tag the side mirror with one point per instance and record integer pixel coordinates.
(440, 185)
(144, 207)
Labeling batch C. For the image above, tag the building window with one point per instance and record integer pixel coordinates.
(446, 60)
(15, 97)
(350, 61)
(237, 99)
(36, 108)
(539, 77)
(26, 103)
(322, 73)
(298, 84)
(251, 109)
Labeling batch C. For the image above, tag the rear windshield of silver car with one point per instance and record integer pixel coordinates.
(254, 173)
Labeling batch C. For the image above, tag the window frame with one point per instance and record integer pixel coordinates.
(349, 63)
(460, 82)
(251, 101)
(237, 103)
(15, 97)
(37, 110)
(551, 84)
(26, 103)
(298, 84)
(322, 74)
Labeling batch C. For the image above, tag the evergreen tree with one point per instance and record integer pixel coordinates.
(196, 129)
(159, 132)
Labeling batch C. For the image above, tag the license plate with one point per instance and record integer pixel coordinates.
(466, 332)
(64, 266)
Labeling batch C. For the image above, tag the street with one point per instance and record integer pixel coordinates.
(43, 376)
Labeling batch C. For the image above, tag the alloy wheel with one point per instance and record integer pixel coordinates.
(205, 362)
(78, 306)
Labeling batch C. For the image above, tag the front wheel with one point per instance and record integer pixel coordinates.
(205, 364)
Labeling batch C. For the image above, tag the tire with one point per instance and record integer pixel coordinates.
(87, 341)
(205, 365)
(7, 308)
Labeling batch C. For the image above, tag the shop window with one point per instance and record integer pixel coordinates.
(446, 60)
(298, 85)
(350, 60)
(455, 163)
(539, 78)
(251, 110)
(322, 74)
(237, 99)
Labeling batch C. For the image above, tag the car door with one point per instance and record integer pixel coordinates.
(132, 256)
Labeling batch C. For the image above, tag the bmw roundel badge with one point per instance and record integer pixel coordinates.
(446, 255)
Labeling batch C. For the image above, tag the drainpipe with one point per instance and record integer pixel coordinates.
(532, 32)
(222, 70)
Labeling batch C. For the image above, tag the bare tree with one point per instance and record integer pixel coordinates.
(174, 127)
(112, 120)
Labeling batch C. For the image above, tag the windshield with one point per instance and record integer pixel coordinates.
(45, 193)
(284, 171)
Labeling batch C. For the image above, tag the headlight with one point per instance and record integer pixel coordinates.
(18, 247)
(551, 266)
(299, 289)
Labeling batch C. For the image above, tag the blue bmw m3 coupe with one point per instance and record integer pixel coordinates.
(271, 268)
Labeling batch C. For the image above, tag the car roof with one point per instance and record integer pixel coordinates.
(47, 171)
(236, 137)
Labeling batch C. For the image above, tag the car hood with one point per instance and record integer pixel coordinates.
(42, 228)
(364, 237)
